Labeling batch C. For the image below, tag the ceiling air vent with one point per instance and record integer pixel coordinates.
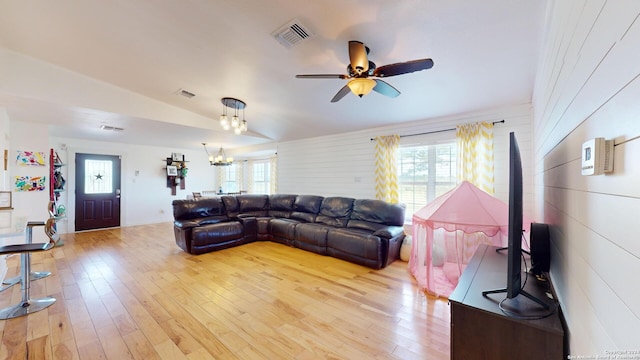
(111, 128)
(292, 33)
(185, 93)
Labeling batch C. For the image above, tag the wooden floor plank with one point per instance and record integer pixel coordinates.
(131, 293)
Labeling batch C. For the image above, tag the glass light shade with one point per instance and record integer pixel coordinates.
(224, 121)
(229, 159)
(361, 87)
(243, 126)
(235, 122)
(237, 131)
(210, 158)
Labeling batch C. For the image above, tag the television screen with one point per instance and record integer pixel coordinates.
(514, 266)
(515, 231)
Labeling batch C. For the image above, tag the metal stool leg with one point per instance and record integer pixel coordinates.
(33, 275)
(28, 305)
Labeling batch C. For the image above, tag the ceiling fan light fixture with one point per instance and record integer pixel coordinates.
(361, 86)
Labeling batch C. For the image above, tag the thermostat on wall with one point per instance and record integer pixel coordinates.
(597, 156)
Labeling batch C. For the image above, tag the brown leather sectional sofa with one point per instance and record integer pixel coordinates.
(365, 232)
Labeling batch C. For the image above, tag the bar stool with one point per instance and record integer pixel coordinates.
(28, 305)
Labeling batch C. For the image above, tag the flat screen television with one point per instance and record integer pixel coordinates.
(515, 230)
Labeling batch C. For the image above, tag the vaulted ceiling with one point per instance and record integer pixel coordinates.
(485, 55)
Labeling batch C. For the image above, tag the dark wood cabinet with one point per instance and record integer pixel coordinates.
(481, 330)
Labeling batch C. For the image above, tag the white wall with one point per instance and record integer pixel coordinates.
(588, 87)
(343, 164)
(145, 197)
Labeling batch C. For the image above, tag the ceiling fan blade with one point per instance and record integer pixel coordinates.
(358, 57)
(322, 76)
(344, 91)
(385, 89)
(403, 68)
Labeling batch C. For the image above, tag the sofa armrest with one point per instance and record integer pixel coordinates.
(186, 224)
(389, 232)
(249, 226)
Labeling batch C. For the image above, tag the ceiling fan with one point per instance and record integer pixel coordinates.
(361, 68)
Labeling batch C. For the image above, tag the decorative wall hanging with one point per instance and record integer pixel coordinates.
(30, 158)
(31, 183)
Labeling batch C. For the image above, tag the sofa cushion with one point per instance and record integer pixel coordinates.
(283, 230)
(312, 237)
(358, 246)
(281, 205)
(254, 205)
(374, 214)
(306, 207)
(335, 211)
(205, 207)
(232, 205)
(217, 233)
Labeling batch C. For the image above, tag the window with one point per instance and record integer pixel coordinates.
(261, 177)
(425, 172)
(229, 181)
(98, 176)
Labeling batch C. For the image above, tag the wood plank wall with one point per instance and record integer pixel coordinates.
(588, 87)
(343, 164)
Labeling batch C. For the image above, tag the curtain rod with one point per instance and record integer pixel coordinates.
(439, 131)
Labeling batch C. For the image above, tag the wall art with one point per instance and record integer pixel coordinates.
(31, 183)
(30, 158)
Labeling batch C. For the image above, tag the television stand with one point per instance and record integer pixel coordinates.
(480, 330)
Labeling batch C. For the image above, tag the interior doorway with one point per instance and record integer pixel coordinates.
(97, 191)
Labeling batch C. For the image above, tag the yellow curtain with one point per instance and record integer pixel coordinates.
(387, 168)
(475, 154)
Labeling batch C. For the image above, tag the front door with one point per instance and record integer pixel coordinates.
(97, 191)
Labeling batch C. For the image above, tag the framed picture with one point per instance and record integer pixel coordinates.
(5, 200)
(172, 170)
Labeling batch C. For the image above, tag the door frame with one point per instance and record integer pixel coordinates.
(71, 182)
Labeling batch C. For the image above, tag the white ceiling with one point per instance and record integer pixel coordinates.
(485, 55)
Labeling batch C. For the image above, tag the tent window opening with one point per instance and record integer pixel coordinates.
(425, 172)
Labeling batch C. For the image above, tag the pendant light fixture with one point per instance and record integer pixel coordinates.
(238, 126)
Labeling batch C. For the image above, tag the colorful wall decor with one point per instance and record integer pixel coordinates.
(30, 158)
(31, 183)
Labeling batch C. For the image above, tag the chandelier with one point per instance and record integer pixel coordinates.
(220, 160)
(238, 126)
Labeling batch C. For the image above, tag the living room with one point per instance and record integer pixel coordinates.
(586, 86)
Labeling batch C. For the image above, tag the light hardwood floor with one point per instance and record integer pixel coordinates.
(131, 293)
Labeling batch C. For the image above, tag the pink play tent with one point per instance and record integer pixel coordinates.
(448, 231)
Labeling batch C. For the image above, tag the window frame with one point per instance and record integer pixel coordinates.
(265, 182)
(433, 183)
